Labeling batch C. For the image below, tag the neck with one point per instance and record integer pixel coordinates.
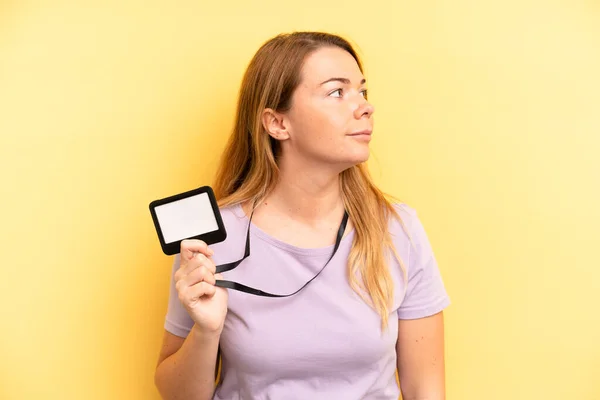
(307, 194)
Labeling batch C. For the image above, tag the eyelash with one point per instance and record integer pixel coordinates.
(364, 91)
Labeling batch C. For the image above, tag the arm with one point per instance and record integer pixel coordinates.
(420, 351)
(186, 367)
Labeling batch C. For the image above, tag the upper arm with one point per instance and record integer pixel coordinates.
(420, 354)
(420, 345)
(170, 344)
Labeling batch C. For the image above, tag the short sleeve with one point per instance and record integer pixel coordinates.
(426, 294)
(177, 321)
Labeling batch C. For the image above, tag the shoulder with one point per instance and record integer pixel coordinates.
(405, 211)
(412, 231)
(236, 226)
(233, 215)
(403, 222)
(408, 227)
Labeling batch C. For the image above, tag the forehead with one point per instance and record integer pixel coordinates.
(329, 62)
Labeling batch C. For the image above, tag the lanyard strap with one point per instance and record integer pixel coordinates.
(257, 292)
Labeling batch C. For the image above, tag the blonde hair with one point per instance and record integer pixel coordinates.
(248, 169)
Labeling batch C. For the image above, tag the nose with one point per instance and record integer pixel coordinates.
(364, 108)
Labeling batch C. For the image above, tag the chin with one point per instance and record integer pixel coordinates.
(357, 159)
(361, 160)
(362, 155)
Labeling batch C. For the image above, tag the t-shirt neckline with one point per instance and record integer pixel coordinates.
(312, 251)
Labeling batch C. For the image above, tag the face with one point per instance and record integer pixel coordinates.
(330, 120)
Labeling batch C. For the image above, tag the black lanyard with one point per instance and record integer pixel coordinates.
(257, 292)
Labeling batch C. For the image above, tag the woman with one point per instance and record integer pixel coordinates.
(292, 169)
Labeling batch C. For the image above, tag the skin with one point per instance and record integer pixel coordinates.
(318, 142)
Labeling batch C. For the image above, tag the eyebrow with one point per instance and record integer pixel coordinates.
(343, 80)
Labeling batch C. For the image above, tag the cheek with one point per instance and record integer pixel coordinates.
(318, 122)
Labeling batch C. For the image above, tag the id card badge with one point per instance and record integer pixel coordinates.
(189, 215)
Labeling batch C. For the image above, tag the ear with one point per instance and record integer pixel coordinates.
(275, 124)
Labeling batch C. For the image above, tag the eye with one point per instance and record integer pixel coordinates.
(364, 93)
(336, 91)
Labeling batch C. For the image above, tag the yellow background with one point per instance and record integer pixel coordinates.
(487, 122)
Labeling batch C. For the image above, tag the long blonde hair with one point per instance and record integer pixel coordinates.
(248, 170)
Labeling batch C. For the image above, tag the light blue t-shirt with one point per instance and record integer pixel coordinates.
(324, 342)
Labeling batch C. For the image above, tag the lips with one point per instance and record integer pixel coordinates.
(366, 132)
